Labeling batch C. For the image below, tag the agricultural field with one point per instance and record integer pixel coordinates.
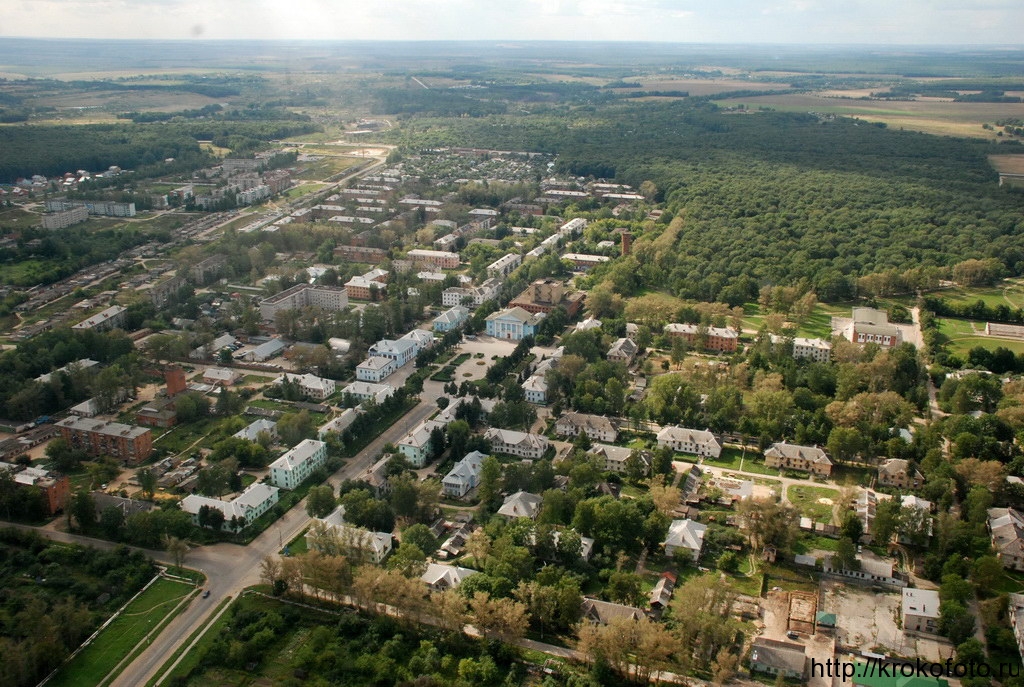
(153, 608)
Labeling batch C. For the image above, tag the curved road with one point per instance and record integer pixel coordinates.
(230, 568)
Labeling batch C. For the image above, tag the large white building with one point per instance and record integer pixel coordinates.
(310, 385)
(332, 298)
(375, 369)
(693, 441)
(686, 535)
(365, 391)
(464, 476)
(252, 432)
(295, 466)
(240, 512)
(334, 537)
(512, 443)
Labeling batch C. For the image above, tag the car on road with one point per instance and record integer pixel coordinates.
(206, 594)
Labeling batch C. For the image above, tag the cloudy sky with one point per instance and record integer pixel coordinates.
(975, 22)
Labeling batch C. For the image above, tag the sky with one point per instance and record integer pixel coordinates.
(874, 22)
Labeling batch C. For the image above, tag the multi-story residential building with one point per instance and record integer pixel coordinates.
(437, 259)
(252, 432)
(401, 351)
(238, 513)
(794, 457)
(111, 318)
(365, 391)
(597, 427)
(361, 254)
(723, 339)
(107, 208)
(162, 292)
(521, 504)
(514, 443)
(585, 261)
(416, 446)
(63, 219)
(55, 488)
(623, 351)
(544, 295)
(896, 473)
(375, 369)
(340, 423)
(513, 324)
(615, 458)
(1006, 526)
(504, 266)
(464, 476)
(340, 538)
(126, 443)
(817, 350)
(686, 535)
(295, 466)
(310, 385)
(692, 441)
(452, 318)
(331, 298)
(920, 610)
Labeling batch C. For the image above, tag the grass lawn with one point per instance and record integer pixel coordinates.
(807, 499)
(125, 634)
(731, 459)
(298, 545)
(301, 190)
(1009, 293)
(810, 542)
(964, 344)
(1010, 582)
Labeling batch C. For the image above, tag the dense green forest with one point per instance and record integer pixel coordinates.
(53, 597)
(774, 198)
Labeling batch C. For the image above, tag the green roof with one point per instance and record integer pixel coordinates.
(868, 675)
(826, 619)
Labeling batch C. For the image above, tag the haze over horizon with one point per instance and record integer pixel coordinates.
(803, 22)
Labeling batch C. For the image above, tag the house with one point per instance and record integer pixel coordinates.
(416, 445)
(521, 504)
(588, 324)
(295, 466)
(794, 457)
(614, 458)
(252, 432)
(692, 441)
(774, 658)
(685, 535)
(340, 423)
(375, 369)
(464, 476)
(241, 511)
(219, 376)
(662, 592)
(310, 385)
(513, 324)
(512, 443)
(603, 612)
(596, 427)
(721, 339)
(920, 610)
(873, 570)
(451, 319)
(1006, 526)
(365, 391)
(125, 443)
(440, 577)
(623, 351)
(895, 472)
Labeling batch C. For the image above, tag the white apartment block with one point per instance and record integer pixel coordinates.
(692, 441)
(332, 298)
(295, 466)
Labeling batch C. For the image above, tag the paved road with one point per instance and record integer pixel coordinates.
(230, 568)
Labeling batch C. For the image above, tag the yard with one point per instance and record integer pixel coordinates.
(813, 502)
(148, 612)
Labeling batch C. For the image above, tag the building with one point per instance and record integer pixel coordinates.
(219, 376)
(451, 319)
(365, 391)
(266, 351)
(436, 259)
(363, 254)
(774, 658)
(1006, 526)
(874, 674)
(339, 424)
(584, 261)
(535, 388)
(464, 477)
(362, 289)
(111, 318)
(920, 611)
(209, 269)
(596, 427)
(159, 412)
(63, 219)
(692, 441)
(721, 339)
(599, 612)
(347, 540)
(685, 535)
(476, 296)
(588, 324)
(872, 326)
(521, 504)
(662, 592)
(416, 445)
(375, 369)
(512, 443)
(238, 513)
(503, 266)
(440, 577)
(544, 295)
(55, 489)
(614, 458)
(817, 350)
(872, 570)
(623, 351)
(126, 443)
(295, 466)
(794, 457)
(107, 208)
(896, 473)
(252, 432)
(310, 385)
(513, 324)
(330, 298)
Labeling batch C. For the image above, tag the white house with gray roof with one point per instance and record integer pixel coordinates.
(295, 466)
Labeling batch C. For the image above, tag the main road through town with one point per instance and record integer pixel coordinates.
(230, 568)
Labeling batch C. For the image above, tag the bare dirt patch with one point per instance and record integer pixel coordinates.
(1007, 164)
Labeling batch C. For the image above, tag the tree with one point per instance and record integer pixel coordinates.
(320, 501)
(176, 547)
(419, 534)
(504, 618)
(852, 527)
(63, 457)
(409, 560)
(666, 498)
(210, 517)
(82, 511)
(490, 482)
(294, 427)
(147, 481)
(768, 523)
(625, 588)
(846, 555)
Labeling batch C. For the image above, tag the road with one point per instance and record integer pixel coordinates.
(230, 568)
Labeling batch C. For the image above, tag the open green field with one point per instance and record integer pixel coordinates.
(736, 459)
(16, 218)
(808, 500)
(121, 637)
(327, 167)
(963, 335)
(1009, 293)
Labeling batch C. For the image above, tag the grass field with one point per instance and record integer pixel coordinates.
(732, 458)
(964, 335)
(121, 637)
(1008, 293)
(807, 500)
